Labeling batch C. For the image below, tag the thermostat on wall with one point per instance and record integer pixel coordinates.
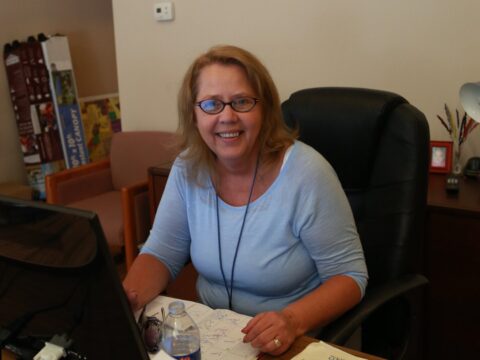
(163, 11)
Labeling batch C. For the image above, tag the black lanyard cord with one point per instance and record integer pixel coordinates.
(230, 290)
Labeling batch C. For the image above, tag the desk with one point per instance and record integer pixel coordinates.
(452, 253)
(296, 348)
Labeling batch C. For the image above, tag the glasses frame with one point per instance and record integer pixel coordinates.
(230, 103)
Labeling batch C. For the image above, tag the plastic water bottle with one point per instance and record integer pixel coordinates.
(181, 337)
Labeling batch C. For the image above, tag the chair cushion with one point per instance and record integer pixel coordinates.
(108, 207)
(132, 153)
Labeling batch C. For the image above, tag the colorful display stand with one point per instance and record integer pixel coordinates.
(34, 111)
(64, 91)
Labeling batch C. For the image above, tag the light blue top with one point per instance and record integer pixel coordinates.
(298, 234)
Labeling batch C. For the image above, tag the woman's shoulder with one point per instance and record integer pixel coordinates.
(182, 168)
(179, 167)
(305, 156)
(309, 171)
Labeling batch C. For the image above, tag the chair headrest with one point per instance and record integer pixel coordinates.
(344, 125)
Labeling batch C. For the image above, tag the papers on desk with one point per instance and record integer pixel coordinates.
(161, 355)
(220, 335)
(323, 351)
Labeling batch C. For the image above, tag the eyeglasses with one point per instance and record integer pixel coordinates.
(151, 330)
(216, 106)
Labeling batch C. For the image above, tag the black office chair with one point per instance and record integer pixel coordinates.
(378, 145)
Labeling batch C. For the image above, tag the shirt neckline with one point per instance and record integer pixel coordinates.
(271, 188)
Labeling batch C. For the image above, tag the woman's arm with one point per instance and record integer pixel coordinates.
(145, 280)
(330, 300)
(166, 249)
(325, 225)
(324, 304)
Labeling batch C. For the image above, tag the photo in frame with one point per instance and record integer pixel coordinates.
(441, 156)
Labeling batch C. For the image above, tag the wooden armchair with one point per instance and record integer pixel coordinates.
(116, 188)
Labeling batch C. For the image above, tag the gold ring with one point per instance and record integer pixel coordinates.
(277, 342)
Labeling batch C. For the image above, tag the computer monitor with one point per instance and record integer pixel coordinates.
(57, 277)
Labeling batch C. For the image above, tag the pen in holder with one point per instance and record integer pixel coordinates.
(458, 129)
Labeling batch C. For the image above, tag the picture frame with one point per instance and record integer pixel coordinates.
(441, 156)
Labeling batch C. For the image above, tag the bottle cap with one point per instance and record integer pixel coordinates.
(176, 307)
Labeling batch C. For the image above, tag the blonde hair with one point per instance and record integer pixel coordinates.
(274, 135)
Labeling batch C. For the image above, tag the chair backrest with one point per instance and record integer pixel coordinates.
(133, 152)
(378, 145)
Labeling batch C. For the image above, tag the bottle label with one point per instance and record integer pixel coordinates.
(193, 356)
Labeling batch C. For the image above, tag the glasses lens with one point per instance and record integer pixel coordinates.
(244, 104)
(211, 106)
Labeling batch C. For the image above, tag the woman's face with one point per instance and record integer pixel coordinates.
(231, 135)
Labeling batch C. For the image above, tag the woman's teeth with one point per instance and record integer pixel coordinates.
(229, 134)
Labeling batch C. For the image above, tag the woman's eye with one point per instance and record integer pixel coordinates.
(242, 101)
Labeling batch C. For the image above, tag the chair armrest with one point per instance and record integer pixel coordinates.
(340, 330)
(78, 183)
(136, 219)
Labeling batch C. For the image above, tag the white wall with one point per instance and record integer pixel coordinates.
(89, 27)
(422, 49)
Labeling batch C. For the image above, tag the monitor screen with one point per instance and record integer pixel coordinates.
(57, 277)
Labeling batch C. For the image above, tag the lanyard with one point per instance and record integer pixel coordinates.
(230, 290)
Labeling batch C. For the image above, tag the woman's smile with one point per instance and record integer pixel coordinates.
(229, 135)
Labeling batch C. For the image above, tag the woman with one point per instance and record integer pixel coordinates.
(262, 216)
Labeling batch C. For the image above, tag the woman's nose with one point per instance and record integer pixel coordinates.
(228, 114)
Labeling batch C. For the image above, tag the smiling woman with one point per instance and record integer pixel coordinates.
(247, 202)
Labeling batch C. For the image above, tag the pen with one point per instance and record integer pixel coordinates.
(444, 124)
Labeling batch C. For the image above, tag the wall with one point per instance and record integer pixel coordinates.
(424, 50)
(89, 27)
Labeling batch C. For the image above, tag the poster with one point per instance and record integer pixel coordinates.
(101, 118)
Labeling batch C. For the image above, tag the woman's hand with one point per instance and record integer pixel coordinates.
(271, 332)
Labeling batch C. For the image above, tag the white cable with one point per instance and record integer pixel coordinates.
(50, 352)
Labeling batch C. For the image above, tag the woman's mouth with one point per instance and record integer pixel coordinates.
(228, 135)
